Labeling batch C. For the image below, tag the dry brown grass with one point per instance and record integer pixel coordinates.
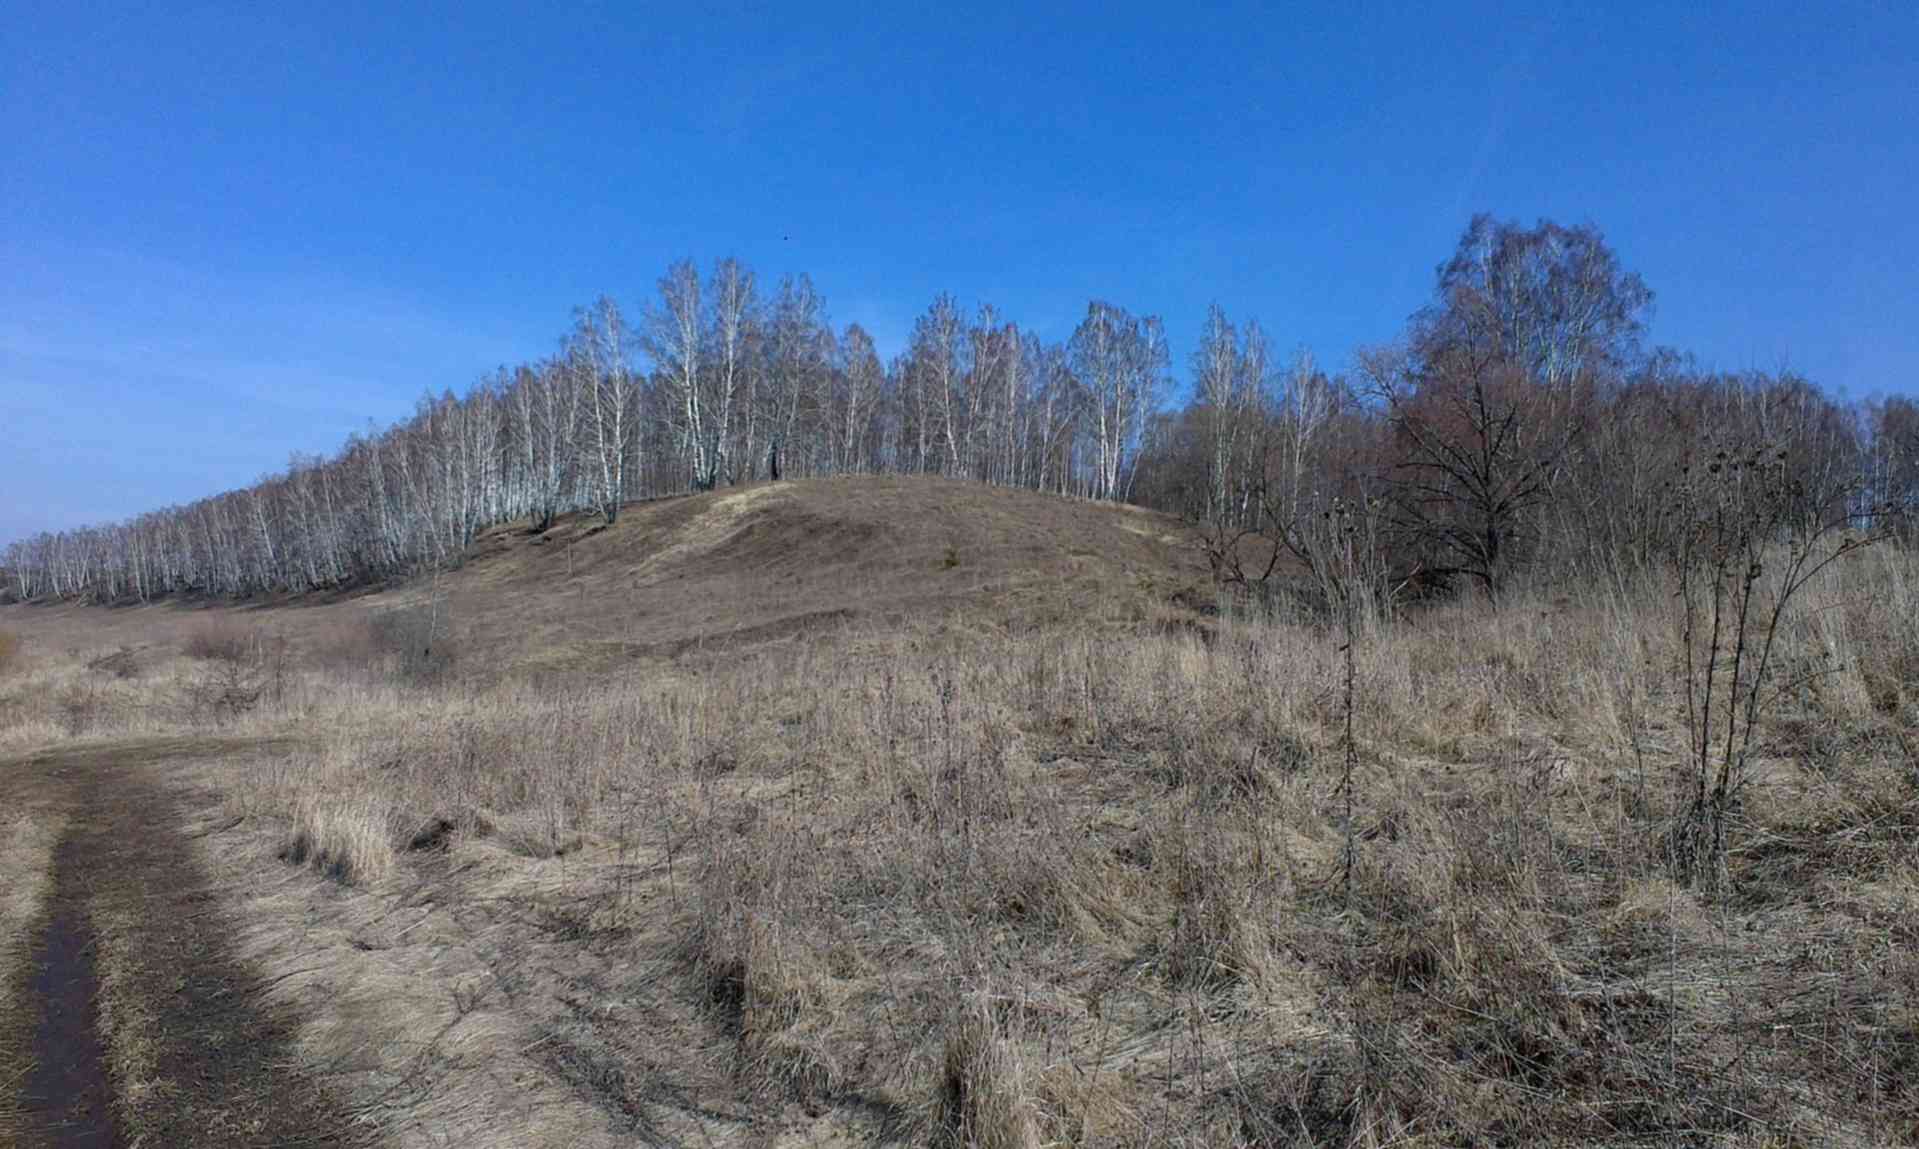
(111, 689)
(1134, 841)
(1081, 883)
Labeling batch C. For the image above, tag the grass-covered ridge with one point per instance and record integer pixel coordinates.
(913, 873)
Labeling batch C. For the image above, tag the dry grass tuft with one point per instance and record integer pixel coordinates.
(10, 651)
(1229, 884)
(984, 1101)
(347, 837)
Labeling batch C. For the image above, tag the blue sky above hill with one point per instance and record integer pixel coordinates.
(233, 233)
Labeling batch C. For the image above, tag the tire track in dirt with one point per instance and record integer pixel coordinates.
(29, 831)
(68, 1098)
(141, 1026)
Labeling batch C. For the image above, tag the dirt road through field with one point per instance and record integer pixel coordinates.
(130, 1022)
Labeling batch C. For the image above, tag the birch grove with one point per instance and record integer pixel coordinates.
(1536, 328)
(713, 386)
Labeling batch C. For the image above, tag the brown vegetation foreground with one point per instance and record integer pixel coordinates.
(1083, 885)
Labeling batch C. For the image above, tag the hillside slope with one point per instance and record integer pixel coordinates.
(784, 816)
(763, 562)
(741, 567)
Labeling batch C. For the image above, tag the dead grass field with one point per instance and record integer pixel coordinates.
(906, 811)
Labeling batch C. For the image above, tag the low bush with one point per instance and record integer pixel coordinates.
(218, 640)
(236, 676)
(122, 664)
(80, 706)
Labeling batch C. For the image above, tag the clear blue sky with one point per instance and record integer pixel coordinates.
(228, 234)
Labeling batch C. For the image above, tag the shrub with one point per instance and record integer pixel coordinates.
(218, 640)
(123, 664)
(1749, 539)
(9, 650)
(238, 674)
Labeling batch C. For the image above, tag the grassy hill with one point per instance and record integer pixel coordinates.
(760, 563)
(897, 810)
(735, 568)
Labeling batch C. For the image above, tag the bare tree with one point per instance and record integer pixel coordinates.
(1121, 361)
(1479, 449)
(934, 375)
(799, 363)
(673, 339)
(1551, 301)
(1516, 418)
(600, 354)
(861, 385)
(1494, 387)
(551, 398)
(735, 312)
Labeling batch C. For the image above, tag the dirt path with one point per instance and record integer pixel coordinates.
(138, 1025)
(67, 1095)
